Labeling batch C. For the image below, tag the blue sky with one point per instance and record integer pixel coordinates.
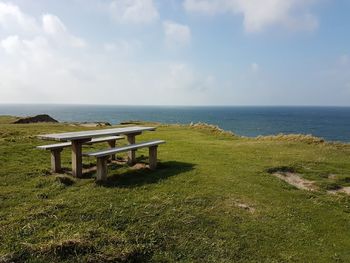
(175, 52)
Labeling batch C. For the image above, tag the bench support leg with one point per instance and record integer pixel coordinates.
(101, 169)
(77, 157)
(152, 157)
(56, 160)
(131, 154)
(112, 145)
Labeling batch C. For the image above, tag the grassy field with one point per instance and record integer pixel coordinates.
(211, 200)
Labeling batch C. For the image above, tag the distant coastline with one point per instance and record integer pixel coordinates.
(330, 123)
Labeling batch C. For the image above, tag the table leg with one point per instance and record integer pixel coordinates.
(77, 158)
(131, 154)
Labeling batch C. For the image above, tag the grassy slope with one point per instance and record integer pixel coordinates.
(184, 211)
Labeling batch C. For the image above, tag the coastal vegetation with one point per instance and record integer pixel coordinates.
(215, 197)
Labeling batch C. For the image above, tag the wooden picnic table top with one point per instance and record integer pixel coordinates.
(71, 136)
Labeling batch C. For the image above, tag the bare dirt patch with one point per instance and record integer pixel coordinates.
(290, 176)
(229, 203)
(345, 190)
(296, 180)
(138, 166)
(245, 207)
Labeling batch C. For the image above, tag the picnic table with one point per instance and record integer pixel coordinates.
(77, 139)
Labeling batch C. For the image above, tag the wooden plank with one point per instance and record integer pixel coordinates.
(69, 136)
(68, 144)
(54, 146)
(124, 148)
(105, 139)
(152, 157)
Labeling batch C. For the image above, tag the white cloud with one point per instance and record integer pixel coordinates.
(35, 60)
(45, 66)
(176, 76)
(53, 25)
(258, 14)
(134, 11)
(55, 28)
(11, 44)
(176, 34)
(12, 18)
(100, 80)
(123, 48)
(15, 22)
(35, 70)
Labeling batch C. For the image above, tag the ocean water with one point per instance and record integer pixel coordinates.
(331, 123)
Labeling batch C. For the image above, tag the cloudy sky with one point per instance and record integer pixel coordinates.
(175, 52)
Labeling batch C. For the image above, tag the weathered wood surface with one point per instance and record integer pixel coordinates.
(131, 154)
(71, 136)
(68, 144)
(79, 138)
(101, 169)
(112, 145)
(56, 150)
(102, 156)
(77, 157)
(124, 148)
(56, 160)
(153, 157)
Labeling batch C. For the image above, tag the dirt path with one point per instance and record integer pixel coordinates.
(304, 184)
(295, 180)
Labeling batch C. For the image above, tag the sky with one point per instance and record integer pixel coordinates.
(175, 52)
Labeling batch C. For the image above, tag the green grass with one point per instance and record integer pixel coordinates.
(188, 210)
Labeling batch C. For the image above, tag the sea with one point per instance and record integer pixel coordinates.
(330, 123)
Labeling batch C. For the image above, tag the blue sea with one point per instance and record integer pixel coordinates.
(330, 123)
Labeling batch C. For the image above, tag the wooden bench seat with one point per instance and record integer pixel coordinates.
(57, 148)
(103, 155)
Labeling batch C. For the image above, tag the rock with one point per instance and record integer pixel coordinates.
(35, 119)
(104, 124)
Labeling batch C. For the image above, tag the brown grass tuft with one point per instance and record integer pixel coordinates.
(309, 139)
(211, 128)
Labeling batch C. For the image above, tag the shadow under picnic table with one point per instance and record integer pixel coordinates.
(143, 176)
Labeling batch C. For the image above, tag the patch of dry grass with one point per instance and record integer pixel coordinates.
(309, 139)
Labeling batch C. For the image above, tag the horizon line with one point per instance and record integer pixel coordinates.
(163, 105)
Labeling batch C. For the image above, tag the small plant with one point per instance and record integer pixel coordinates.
(65, 180)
